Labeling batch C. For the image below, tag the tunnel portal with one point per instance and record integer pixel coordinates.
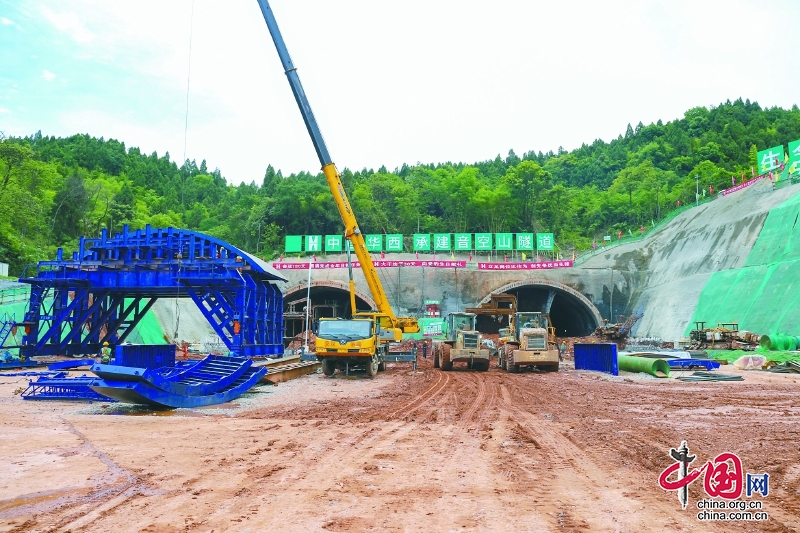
(571, 313)
(329, 299)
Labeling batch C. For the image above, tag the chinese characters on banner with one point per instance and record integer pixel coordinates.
(377, 264)
(544, 265)
(425, 242)
(770, 160)
(794, 157)
(525, 266)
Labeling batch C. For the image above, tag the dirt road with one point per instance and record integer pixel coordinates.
(407, 451)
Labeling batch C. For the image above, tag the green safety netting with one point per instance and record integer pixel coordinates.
(148, 331)
(9, 312)
(732, 355)
(764, 295)
(779, 239)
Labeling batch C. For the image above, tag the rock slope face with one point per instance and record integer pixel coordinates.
(670, 269)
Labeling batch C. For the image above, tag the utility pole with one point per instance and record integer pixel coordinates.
(611, 303)
(697, 190)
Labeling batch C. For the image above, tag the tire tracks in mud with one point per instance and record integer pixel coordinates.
(478, 402)
(72, 508)
(432, 394)
(570, 474)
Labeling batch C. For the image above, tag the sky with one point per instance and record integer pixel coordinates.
(390, 82)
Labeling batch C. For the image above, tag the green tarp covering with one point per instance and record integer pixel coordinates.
(148, 331)
(764, 295)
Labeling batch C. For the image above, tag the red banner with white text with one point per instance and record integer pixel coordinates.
(528, 265)
(544, 265)
(321, 265)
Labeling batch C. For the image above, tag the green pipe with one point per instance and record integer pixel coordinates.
(779, 342)
(655, 367)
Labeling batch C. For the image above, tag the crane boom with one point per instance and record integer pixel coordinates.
(352, 231)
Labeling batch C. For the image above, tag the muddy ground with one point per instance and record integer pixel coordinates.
(407, 451)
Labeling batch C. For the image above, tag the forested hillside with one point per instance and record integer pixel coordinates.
(53, 190)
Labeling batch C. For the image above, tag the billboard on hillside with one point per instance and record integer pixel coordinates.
(794, 157)
(770, 159)
(545, 242)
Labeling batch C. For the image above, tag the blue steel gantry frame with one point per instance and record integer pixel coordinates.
(110, 283)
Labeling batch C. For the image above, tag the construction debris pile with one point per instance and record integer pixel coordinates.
(722, 337)
(295, 345)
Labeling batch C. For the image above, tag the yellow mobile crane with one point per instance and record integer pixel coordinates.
(362, 341)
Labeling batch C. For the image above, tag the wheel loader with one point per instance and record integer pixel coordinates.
(462, 344)
(530, 340)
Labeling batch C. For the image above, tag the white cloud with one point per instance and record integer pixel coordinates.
(4, 110)
(7, 22)
(70, 24)
(48, 76)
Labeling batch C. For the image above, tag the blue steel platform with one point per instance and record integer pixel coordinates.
(104, 290)
(143, 393)
(205, 377)
(211, 381)
(692, 363)
(67, 365)
(16, 363)
(60, 387)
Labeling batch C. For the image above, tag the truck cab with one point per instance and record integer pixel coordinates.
(359, 343)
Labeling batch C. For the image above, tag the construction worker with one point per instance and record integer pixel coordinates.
(563, 350)
(105, 353)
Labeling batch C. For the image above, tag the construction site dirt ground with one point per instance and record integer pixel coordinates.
(421, 450)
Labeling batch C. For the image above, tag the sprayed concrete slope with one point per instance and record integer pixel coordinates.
(670, 269)
(192, 326)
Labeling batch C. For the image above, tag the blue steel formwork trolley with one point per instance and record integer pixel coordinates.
(104, 290)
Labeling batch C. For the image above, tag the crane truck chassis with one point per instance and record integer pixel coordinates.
(462, 344)
(529, 341)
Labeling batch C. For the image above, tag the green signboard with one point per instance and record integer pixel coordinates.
(441, 242)
(422, 242)
(545, 242)
(394, 242)
(483, 241)
(333, 243)
(294, 243)
(503, 241)
(445, 242)
(313, 243)
(794, 157)
(524, 241)
(463, 241)
(374, 242)
(770, 159)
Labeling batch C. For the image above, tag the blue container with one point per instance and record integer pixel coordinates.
(597, 357)
(145, 355)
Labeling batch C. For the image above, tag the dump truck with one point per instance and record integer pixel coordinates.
(362, 341)
(462, 344)
(530, 340)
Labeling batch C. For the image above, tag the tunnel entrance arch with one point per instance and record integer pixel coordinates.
(328, 299)
(572, 313)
